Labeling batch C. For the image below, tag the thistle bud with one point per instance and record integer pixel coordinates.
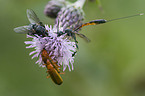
(53, 7)
(71, 16)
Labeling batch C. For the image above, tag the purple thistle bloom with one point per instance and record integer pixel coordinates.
(59, 48)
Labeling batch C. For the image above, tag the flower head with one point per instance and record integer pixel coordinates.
(71, 16)
(60, 49)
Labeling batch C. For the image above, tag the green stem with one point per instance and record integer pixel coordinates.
(79, 3)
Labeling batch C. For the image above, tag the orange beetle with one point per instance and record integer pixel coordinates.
(52, 67)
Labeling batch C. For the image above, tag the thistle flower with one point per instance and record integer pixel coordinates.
(71, 16)
(60, 49)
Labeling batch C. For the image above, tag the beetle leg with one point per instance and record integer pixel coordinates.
(62, 73)
(47, 76)
(44, 64)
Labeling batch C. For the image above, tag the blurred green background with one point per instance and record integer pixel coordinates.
(112, 64)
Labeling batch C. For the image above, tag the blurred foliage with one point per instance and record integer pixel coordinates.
(112, 64)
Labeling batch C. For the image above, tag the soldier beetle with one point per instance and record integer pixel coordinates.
(52, 68)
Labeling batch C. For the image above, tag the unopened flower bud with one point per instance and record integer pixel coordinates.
(70, 17)
(53, 7)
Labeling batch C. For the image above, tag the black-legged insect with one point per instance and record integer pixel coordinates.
(71, 33)
(36, 26)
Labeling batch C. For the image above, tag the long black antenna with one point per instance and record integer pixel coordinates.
(125, 17)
